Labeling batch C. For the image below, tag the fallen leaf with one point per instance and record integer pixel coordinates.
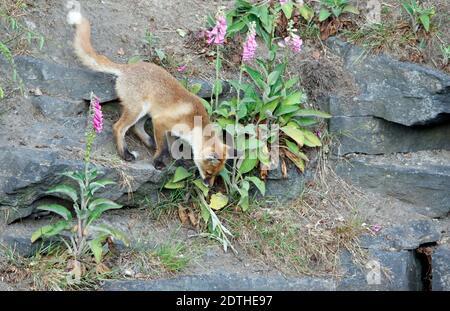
(193, 218)
(183, 215)
(218, 201)
(284, 169)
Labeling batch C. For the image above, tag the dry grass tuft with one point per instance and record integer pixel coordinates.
(49, 269)
(306, 236)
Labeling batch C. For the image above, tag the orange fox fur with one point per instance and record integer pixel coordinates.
(146, 89)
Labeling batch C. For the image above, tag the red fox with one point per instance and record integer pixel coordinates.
(146, 89)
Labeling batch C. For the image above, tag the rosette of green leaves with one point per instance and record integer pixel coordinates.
(88, 209)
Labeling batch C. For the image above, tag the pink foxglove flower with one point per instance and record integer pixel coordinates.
(282, 2)
(98, 116)
(182, 68)
(250, 44)
(217, 34)
(294, 42)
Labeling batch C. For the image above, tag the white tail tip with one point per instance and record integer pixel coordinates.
(74, 17)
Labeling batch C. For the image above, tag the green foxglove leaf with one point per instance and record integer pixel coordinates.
(296, 134)
(195, 88)
(311, 139)
(287, 9)
(293, 99)
(236, 27)
(218, 201)
(180, 174)
(324, 14)
(200, 185)
(247, 165)
(292, 147)
(101, 201)
(306, 121)
(258, 183)
(224, 122)
(268, 109)
(57, 209)
(100, 209)
(204, 211)
(96, 247)
(40, 232)
(306, 12)
(312, 113)
(285, 109)
(66, 190)
(408, 8)
(336, 11)
(425, 20)
(115, 233)
(273, 77)
(98, 184)
(350, 9)
(256, 77)
(77, 176)
(2, 93)
(50, 230)
(291, 82)
(172, 186)
(207, 106)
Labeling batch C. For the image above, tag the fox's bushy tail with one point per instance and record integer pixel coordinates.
(83, 46)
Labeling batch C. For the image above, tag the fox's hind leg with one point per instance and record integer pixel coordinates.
(127, 119)
(140, 132)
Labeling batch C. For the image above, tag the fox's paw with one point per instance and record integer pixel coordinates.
(130, 156)
(159, 165)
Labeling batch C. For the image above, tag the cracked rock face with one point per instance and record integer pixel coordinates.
(399, 107)
(398, 92)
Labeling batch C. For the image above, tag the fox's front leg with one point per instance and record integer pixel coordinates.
(162, 148)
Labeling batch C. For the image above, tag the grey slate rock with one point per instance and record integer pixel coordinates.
(423, 181)
(285, 189)
(371, 135)
(403, 236)
(441, 268)
(398, 271)
(399, 92)
(53, 107)
(223, 282)
(59, 81)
